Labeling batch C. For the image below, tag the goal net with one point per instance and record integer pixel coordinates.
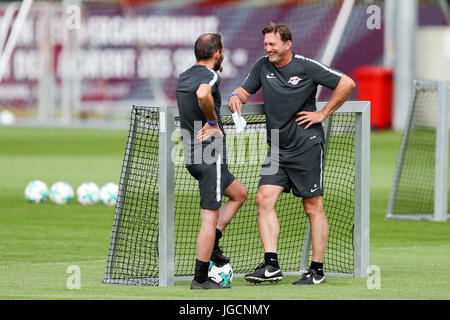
(420, 188)
(157, 217)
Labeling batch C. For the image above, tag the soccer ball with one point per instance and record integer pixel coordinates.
(36, 191)
(108, 194)
(61, 192)
(7, 117)
(88, 193)
(222, 274)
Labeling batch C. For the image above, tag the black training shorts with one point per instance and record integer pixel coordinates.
(304, 174)
(213, 179)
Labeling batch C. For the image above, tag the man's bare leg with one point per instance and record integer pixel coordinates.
(319, 226)
(237, 195)
(269, 228)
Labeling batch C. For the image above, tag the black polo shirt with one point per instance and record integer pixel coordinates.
(192, 118)
(287, 91)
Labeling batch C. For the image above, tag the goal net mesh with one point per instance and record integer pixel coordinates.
(413, 192)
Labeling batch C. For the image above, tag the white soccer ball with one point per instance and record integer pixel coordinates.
(36, 191)
(61, 192)
(108, 194)
(7, 117)
(88, 193)
(221, 274)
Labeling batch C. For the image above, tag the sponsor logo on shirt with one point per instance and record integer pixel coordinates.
(270, 76)
(294, 80)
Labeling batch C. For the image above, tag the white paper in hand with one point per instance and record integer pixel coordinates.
(239, 122)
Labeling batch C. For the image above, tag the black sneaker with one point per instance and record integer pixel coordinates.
(218, 257)
(208, 284)
(310, 277)
(264, 273)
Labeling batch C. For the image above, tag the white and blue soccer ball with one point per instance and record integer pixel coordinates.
(88, 193)
(221, 274)
(61, 192)
(108, 194)
(36, 191)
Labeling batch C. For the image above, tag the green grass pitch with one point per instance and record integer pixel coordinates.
(38, 242)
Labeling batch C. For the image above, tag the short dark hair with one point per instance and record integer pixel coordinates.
(281, 28)
(206, 45)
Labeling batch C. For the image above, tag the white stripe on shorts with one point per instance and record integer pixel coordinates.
(321, 165)
(218, 173)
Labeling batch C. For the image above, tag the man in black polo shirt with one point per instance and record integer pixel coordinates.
(199, 101)
(289, 82)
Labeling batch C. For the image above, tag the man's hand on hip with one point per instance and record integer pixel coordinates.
(208, 131)
(310, 117)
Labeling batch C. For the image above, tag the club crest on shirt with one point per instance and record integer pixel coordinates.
(294, 80)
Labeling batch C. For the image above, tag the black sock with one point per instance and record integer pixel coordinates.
(271, 259)
(318, 266)
(201, 271)
(218, 236)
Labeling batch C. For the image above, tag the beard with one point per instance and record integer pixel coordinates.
(218, 64)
